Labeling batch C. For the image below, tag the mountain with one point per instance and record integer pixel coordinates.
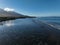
(8, 15)
(4, 13)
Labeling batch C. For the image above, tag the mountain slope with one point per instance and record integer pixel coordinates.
(9, 15)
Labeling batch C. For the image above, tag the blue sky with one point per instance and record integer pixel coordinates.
(33, 7)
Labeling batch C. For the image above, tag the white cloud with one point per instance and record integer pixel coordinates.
(8, 9)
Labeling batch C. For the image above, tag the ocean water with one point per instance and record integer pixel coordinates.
(53, 21)
(50, 20)
(30, 31)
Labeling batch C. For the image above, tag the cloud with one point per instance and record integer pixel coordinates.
(8, 9)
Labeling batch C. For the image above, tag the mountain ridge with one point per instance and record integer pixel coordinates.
(4, 13)
(9, 15)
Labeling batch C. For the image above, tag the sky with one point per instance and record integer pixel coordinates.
(32, 7)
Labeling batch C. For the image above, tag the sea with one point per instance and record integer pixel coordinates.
(52, 21)
(25, 30)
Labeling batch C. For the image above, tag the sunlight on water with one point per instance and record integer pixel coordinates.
(9, 23)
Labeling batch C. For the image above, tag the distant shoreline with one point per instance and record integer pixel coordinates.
(12, 18)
